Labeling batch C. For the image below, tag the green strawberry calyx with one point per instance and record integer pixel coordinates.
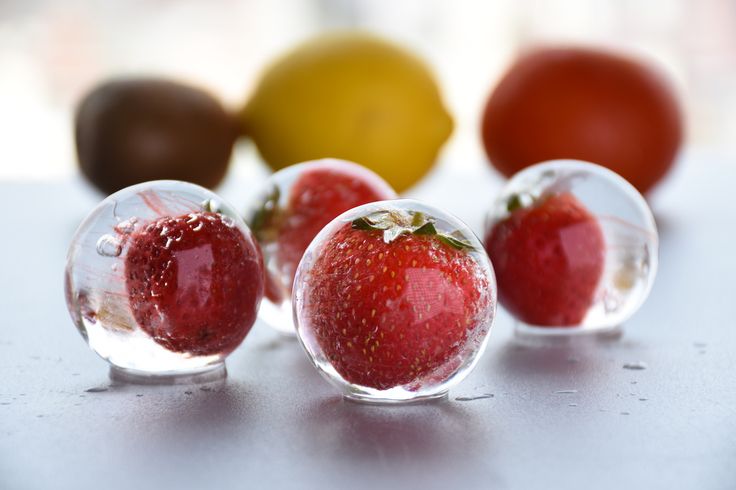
(523, 200)
(214, 206)
(394, 223)
(514, 202)
(266, 220)
(548, 184)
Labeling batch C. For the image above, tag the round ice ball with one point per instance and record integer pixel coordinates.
(163, 278)
(394, 301)
(295, 204)
(574, 247)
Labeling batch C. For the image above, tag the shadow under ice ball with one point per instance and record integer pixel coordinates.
(574, 247)
(163, 278)
(394, 301)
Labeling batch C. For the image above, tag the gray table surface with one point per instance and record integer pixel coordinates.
(274, 423)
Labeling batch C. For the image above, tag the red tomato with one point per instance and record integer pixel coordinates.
(584, 104)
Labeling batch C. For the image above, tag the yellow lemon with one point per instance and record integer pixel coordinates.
(351, 96)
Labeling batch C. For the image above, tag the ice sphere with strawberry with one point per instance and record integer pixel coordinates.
(394, 301)
(574, 247)
(163, 280)
(296, 203)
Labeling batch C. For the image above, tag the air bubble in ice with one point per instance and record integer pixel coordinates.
(109, 246)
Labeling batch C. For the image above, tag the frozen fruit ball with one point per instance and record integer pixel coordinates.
(394, 301)
(574, 247)
(296, 203)
(164, 278)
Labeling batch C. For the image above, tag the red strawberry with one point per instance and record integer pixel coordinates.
(323, 191)
(397, 313)
(548, 258)
(194, 282)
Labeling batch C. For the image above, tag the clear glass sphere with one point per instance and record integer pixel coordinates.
(574, 247)
(295, 204)
(393, 301)
(163, 279)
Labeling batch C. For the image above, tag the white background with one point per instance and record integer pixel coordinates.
(53, 51)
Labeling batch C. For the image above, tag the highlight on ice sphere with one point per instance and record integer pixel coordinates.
(574, 247)
(296, 203)
(163, 279)
(134, 130)
(394, 301)
(584, 104)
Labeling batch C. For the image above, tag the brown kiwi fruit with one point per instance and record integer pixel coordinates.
(135, 130)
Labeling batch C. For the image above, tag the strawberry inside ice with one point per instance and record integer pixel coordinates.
(394, 314)
(194, 283)
(549, 259)
(317, 197)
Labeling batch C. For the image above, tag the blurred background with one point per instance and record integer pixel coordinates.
(53, 51)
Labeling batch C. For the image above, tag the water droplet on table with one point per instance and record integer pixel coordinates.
(471, 398)
(638, 365)
(97, 389)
